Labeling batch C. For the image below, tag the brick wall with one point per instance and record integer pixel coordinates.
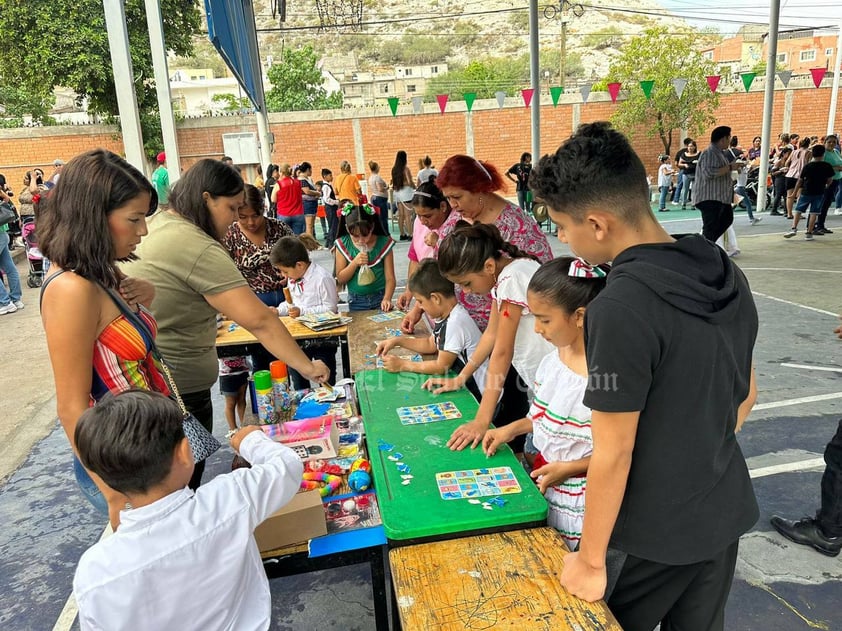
(326, 138)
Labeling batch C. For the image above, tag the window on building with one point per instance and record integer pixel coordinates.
(828, 52)
(409, 72)
(807, 55)
(708, 54)
(782, 58)
(410, 88)
(434, 69)
(385, 88)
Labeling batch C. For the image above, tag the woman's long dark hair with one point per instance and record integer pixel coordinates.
(206, 176)
(399, 171)
(428, 195)
(469, 246)
(73, 220)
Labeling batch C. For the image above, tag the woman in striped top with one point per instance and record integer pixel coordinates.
(94, 217)
(558, 295)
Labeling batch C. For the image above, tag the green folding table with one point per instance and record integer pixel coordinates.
(416, 512)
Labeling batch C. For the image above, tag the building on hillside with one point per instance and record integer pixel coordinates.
(804, 49)
(737, 54)
(369, 89)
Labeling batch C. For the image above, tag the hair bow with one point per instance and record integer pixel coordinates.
(36, 198)
(581, 269)
(347, 209)
(368, 209)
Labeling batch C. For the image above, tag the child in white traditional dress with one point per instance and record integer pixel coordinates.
(558, 295)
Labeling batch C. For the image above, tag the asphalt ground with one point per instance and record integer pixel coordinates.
(778, 585)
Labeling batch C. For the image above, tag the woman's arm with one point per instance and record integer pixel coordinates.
(242, 306)
(405, 299)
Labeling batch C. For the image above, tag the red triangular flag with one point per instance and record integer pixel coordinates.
(442, 99)
(818, 75)
(614, 90)
(713, 81)
(527, 93)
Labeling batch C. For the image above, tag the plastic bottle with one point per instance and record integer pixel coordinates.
(265, 397)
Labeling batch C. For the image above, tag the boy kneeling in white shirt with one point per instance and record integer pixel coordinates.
(312, 290)
(180, 559)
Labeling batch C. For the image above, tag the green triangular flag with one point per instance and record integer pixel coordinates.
(646, 86)
(393, 105)
(748, 77)
(556, 92)
(469, 99)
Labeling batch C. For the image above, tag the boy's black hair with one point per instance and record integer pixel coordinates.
(553, 282)
(469, 246)
(595, 167)
(326, 172)
(128, 439)
(288, 251)
(818, 151)
(719, 133)
(428, 279)
(359, 215)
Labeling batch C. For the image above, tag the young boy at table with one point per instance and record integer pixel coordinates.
(455, 334)
(669, 346)
(180, 559)
(313, 290)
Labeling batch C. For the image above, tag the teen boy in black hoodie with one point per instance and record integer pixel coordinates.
(669, 345)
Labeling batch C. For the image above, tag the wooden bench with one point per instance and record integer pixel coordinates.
(505, 580)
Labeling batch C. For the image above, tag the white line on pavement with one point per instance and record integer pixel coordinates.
(787, 402)
(822, 368)
(789, 269)
(787, 467)
(794, 304)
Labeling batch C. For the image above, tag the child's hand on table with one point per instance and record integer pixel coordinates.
(318, 372)
(404, 300)
(240, 434)
(294, 312)
(551, 474)
(386, 345)
(392, 363)
(494, 438)
(409, 321)
(386, 305)
(437, 385)
(467, 434)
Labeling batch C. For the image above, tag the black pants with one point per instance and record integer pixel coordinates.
(513, 405)
(716, 217)
(827, 200)
(830, 513)
(326, 351)
(199, 403)
(679, 597)
(780, 194)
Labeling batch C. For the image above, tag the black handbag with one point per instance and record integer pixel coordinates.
(8, 213)
(202, 442)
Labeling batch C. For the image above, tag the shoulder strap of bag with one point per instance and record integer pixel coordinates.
(46, 284)
(136, 320)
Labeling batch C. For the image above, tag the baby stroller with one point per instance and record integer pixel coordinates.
(33, 254)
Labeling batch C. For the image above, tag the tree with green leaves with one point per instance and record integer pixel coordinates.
(298, 84)
(65, 43)
(657, 56)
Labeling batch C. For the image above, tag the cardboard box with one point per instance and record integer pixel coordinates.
(297, 522)
(311, 438)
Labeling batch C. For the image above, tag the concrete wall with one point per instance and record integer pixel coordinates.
(499, 135)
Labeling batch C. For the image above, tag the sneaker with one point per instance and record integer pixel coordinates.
(756, 220)
(827, 231)
(663, 210)
(818, 231)
(808, 236)
(775, 213)
(733, 254)
(18, 304)
(790, 234)
(807, 532)
(9, 308)
(674, 203)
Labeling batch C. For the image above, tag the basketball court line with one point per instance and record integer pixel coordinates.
(788, 402)
(787, 467)
(820, 368)
(794, 304)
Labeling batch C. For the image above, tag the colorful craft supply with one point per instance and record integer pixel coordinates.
(359, 481)
(265, 397)
(361, 464)
(325, 482)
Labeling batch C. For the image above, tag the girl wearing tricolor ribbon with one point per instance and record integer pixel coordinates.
(558, 295)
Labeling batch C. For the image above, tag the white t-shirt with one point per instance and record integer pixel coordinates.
(189, 560)
(664, 175)
(530, 348)
(459, 334)
(425, 173)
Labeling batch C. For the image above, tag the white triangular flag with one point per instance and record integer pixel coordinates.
(785, 76)
(585, 91)
(417, 104)
(501, 98)
(678, 85)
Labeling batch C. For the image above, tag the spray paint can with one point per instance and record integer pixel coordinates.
(265, 397)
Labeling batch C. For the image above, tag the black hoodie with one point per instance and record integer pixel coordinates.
(671, 336)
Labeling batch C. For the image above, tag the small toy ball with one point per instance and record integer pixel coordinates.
(361, 464)
(349, 505)
(359, 481)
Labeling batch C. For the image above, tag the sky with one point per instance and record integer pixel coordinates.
(728, 15)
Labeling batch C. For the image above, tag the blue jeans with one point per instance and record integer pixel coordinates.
(295, 223)
(364, 302)
(688, 186)
(271, 298)
(741, 191)
(7, 264)
(382, 205)
(88, 488)
(665, 191)
(811, 203)
(679, 184)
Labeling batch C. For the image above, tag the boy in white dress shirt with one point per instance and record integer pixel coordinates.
(455, 335)
(180, 559)
(312, 290)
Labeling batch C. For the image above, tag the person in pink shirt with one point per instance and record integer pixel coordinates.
(431, 211)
